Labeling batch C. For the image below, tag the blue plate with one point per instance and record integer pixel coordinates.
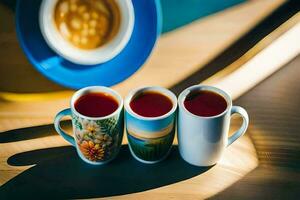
(146, 30)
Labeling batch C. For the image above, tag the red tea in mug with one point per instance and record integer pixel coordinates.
(151, 104)
(96, 104)
(205, 103)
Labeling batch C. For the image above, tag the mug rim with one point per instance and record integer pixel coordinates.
(162, 90)
(76, 55)
(219, 91)
(91, 89)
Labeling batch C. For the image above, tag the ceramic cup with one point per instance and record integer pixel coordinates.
(80, 56)
(150, 138)
(97, 139)
(202, 140)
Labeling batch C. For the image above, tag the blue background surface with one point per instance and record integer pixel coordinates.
(178, 13)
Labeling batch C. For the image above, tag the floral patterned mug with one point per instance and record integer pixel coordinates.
(97, 139)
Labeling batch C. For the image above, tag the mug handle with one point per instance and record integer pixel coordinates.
(58, 128)
(241, 111)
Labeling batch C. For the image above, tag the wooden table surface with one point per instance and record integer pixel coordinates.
(37, 163)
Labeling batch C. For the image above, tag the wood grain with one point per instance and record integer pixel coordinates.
(230, 168)
(274, 109)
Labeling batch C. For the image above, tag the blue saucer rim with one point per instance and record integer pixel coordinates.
(58, 80)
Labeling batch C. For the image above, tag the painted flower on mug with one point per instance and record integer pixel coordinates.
(91, 127)
(104, 140)
(96, 139)
(91, 151)
(80, 134)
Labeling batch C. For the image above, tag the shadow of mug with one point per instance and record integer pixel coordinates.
(59, 173)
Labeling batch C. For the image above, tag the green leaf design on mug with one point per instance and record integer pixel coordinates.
(77, 124)
(151, 149)
(108, 126)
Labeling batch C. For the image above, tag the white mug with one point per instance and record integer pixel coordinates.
(82, 56)
(202, 140)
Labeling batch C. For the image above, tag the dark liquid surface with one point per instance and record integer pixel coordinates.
(96, 104)
(151, 104)
(205, 103)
